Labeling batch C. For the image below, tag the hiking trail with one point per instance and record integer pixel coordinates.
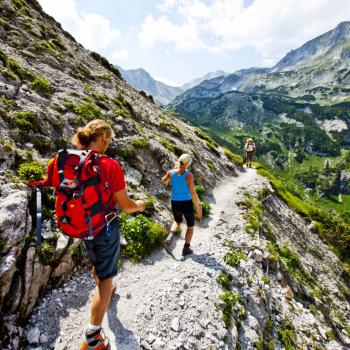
(160, 303)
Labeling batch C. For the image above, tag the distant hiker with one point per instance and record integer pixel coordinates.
(183, 198)
(88, 186)
(250, 149)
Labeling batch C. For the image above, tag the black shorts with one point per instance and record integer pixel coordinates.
(183, 208)
(103, 251)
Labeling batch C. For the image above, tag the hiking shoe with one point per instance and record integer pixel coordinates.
(95, 341)
(186, 251)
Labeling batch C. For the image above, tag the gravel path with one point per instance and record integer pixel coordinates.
(161, 303)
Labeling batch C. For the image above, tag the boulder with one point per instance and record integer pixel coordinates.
(15, 223)
(7, 270)
(345, 182)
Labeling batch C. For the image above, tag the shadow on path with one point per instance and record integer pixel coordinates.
(124, 338)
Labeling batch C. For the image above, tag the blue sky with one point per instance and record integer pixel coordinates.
(179, 40)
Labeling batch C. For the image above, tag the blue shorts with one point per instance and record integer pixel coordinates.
(103, 251)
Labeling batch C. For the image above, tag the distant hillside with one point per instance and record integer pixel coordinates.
(208, 76)
(142, 80)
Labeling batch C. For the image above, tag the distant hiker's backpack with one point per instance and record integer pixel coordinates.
(82, 193)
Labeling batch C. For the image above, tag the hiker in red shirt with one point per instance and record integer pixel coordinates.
(104, 249)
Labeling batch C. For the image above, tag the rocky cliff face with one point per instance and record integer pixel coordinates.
(49, 85)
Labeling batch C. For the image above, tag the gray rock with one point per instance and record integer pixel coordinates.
(175, 324)
(33, 335)
(43, 338)
(158, 344)
(14, 221)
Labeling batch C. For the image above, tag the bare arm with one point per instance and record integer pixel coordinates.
(195, 199)
(166, 178)
(127, 204)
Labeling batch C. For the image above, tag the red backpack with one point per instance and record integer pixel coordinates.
(82, 193)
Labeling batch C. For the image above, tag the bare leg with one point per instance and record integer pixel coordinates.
(175, 226)
(97, 281)
(189, 234)
(94, 275)
(101, 301)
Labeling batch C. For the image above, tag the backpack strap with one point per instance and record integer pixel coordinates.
(62, 158)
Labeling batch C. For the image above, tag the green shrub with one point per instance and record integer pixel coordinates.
(224, 280)
(234, 258)
(140, 142)
(30, 171)
(141, 234)
(89, 111)
(201, 191)
(206, 207)
(27, 120)
(234, 158)
(41, 85)
(230, 299)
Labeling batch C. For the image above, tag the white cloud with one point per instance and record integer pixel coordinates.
(272, 27)
(119, 54)
(185, 36)
(92, 30)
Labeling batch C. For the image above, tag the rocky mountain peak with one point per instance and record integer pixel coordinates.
(315, 47)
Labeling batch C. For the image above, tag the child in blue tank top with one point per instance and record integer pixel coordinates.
(183, 198)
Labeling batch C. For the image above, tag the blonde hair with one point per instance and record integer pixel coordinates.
(185, 158)
(90, 132)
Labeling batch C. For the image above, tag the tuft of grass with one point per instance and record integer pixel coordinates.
(42, 85)
(286, 335)
(140, 142)
(87, 111)
(46, 252)
(230, 299)
(171, 127)
(224, 280)
(234, 158)
(294, 266)
(170, 147)
(234, 258)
